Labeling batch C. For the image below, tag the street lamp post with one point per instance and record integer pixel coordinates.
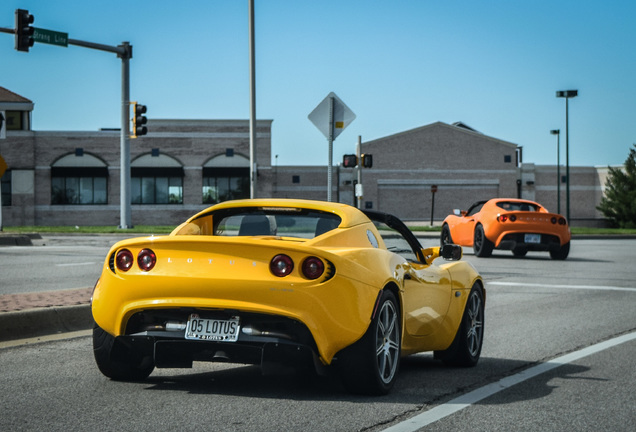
(557, 132)
(567, 94)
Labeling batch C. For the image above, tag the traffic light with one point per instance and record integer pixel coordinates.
(349, 161)
(367, 160)
(139, 120)
(23, 30)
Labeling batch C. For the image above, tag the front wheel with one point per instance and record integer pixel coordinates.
(445, 237)
(118, 362)
(370, 365)
(481, 245)
(466, 347)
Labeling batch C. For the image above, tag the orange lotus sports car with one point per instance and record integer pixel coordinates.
(286, 283)
(509, 224)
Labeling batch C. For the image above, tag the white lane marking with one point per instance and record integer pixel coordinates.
(584, 287)
(457, 404)
(75, 264)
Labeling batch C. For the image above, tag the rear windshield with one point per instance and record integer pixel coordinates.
(263, 221)
(517, 206)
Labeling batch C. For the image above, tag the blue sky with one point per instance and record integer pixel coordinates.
(399, 65)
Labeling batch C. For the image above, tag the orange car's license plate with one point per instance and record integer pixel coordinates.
(533, 238)
(212, 329)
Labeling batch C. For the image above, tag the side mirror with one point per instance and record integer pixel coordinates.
(457, 212)
(451, 252)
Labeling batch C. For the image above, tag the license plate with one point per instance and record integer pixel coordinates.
(533, 238)
(212, 329)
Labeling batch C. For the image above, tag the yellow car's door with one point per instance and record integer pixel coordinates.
(427, 296)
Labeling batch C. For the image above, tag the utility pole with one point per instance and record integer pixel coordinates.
(253, 166)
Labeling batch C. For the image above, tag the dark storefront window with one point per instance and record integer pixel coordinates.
(81, 186)
(223, 184)
(157, 185)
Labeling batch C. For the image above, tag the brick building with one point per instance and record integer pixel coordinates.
(182, 166)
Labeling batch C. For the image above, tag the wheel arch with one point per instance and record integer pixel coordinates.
(393, 287)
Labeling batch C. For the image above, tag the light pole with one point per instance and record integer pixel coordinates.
(567, 94)
(557, 132)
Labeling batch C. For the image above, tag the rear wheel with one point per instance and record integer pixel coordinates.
(370, 365)
(562, 253)
(481, 245)
(445, 237)
(466, 347)
(118, 362)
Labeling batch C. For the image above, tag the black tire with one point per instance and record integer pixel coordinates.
(562, 253)
(370, 366)
(445, 238)
(481, 245)
(466, 347)
(116, 361)
(520, 252)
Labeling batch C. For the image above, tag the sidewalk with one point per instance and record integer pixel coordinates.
(43, 313)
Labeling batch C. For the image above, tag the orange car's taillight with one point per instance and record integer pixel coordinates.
(505, 218)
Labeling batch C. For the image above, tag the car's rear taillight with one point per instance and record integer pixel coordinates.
(562, 221)
(505, 218)
(146, 259)
(313, 267)
(281, 265)
(124, 260)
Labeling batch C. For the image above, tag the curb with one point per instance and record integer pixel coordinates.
(44, 321)
(15, 240)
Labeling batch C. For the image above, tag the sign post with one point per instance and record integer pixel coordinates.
(331, 117)
(433, 190)
(3, 168)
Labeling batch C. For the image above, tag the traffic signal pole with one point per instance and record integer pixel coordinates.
(125, 212)
(124, 52)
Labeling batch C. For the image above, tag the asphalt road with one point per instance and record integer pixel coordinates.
(54, 263)
(540, 313)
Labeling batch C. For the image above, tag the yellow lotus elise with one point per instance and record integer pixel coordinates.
(282, 283)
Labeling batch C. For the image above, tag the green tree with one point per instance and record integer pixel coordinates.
(619, 203)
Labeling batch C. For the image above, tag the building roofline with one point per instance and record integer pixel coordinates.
(7, 95)
(458, 128)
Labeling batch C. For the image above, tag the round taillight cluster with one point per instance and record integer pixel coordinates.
(146, 260)
(505, 218)
(124, 260)
(282, 265)
(313, 268)
(560, 220)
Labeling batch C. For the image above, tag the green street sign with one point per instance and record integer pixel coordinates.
(50, 37)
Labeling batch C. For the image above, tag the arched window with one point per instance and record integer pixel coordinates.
(156, 179)
(80, 179)
(226, 177)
